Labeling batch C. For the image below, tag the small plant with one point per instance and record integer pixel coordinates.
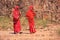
(58, 31)
(40, 22)
(44, 23)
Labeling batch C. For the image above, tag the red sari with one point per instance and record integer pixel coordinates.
(30, 16)
(16, 21)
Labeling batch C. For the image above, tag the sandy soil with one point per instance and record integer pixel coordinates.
(48, 33)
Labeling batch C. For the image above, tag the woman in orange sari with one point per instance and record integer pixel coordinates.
(30, 16)
(16, 21)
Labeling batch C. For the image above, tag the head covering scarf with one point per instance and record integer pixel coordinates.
(16, 7)
(31, 7)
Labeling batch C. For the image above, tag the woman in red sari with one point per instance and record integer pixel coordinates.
(30, 16)
(16, 21)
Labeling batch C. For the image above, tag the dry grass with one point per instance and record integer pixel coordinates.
(6, 23)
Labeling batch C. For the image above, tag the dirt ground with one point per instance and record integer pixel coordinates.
(48, 33)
